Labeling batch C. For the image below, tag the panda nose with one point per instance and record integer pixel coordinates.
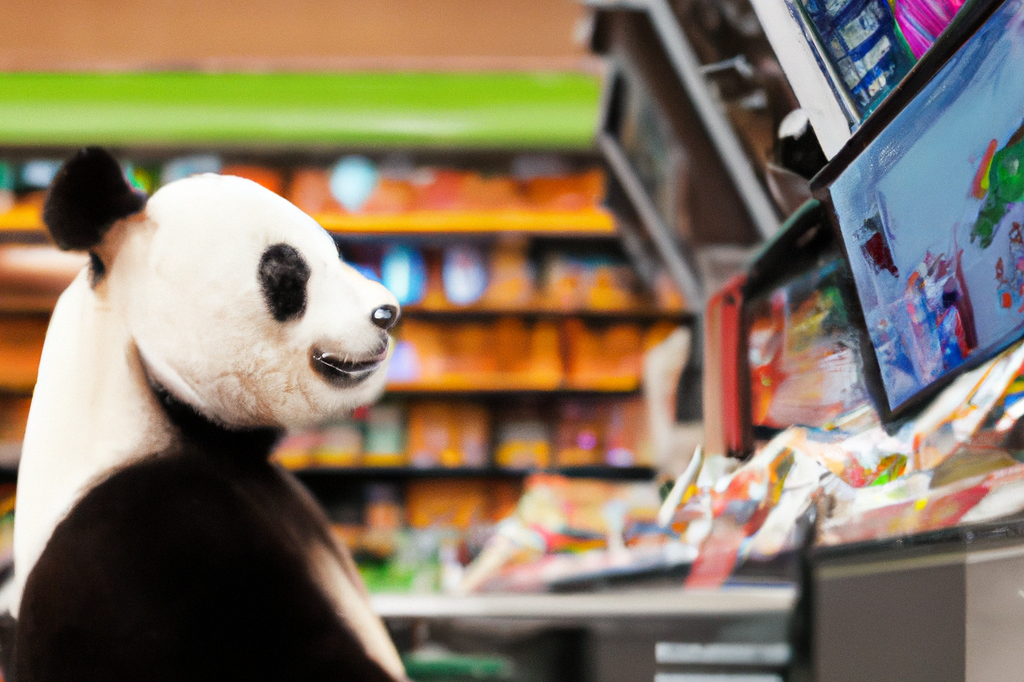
(385, 316)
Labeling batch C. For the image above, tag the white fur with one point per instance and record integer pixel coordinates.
(182, 298)
(91, 411)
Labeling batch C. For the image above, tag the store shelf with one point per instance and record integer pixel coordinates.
(635, 473)
(9, 454)
(571, 607)
(464, 110)
(629, 314)
(24, 217)
(481, 386)
(27, 220)
(577, 224)
(708, 106)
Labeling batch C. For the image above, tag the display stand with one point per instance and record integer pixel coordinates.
(934, 606)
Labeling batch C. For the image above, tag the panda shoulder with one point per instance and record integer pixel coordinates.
(168, 563)
(173, 499)
(162, 505)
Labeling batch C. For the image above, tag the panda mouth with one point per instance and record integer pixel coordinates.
(343, 372)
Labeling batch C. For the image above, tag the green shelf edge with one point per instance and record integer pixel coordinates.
(556, 110)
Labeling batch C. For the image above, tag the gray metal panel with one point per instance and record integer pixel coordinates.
(628, 651)
(995, 615)
(898, 621)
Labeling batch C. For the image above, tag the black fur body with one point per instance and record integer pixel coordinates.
(191, 564)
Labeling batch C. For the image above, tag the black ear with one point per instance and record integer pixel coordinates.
(88, 195)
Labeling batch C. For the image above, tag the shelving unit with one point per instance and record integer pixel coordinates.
(370, 473)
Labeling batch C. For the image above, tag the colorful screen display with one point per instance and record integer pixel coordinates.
(804, 351)
(932, 212)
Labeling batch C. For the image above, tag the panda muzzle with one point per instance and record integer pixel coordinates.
(341, 371)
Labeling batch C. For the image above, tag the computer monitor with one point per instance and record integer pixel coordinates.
(929, 203)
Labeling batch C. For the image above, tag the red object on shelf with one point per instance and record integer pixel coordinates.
(727, 385)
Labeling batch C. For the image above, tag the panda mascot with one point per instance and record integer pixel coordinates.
(154, 539)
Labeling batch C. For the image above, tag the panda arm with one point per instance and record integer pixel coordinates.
(164, 572)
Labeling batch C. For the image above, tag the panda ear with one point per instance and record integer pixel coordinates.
(89, 194)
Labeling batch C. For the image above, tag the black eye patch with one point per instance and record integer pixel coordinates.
(283, 275)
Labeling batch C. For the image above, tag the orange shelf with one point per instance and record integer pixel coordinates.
(420, 311)
(457, 386)
(605, 384)
(21, 343)
(19, 379)
(22, 218)
(589, 222)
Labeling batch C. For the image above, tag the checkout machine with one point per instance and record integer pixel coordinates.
(902, 277)
(913, 247)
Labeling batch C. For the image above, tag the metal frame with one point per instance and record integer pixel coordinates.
(671, 252)
(710, 110)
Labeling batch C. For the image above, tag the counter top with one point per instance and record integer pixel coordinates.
(659, 602)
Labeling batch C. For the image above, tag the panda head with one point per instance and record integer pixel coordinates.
(236, 300)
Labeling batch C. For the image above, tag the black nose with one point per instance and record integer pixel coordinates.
(385, 316)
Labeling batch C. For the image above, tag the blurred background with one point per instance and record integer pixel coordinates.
(625, 360)
(389, 35)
